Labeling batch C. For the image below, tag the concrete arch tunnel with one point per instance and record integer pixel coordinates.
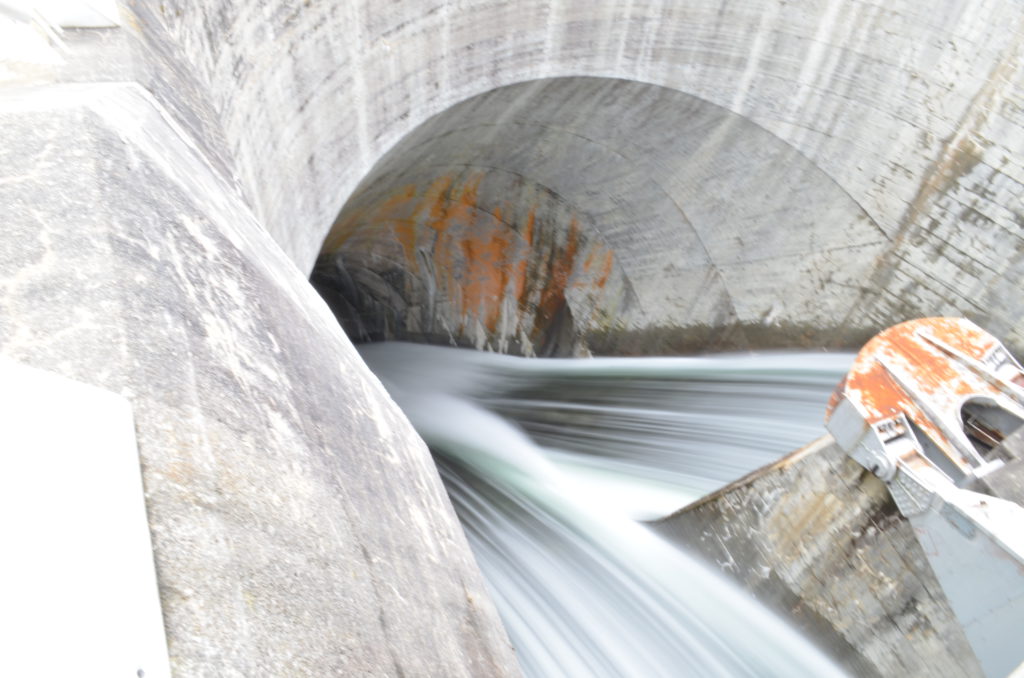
(596, 215)
(174, 180)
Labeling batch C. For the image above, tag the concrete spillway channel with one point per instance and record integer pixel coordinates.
(530, 177)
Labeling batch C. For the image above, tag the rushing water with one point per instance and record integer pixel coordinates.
(550, 463)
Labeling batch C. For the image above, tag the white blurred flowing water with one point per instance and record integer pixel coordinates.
(551, 463)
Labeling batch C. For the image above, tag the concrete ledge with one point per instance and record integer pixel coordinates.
(819, 540)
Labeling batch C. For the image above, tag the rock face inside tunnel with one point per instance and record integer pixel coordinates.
(787, 174)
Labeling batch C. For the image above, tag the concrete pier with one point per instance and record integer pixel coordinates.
(818, 538)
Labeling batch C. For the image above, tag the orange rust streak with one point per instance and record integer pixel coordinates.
(405, 234)
(435, 198)
(606, 269)
(523, 267)
(599, 279)
(552, 297)
(588, 261)
(461, 208)
(517, 267)
(486, 253)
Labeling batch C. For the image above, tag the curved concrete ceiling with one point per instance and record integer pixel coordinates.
(577, 214)
(911, 109)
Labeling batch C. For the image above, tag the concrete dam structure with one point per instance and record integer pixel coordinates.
(542, 178)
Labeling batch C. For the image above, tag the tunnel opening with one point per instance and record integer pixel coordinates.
(441, 263)
(579, 216)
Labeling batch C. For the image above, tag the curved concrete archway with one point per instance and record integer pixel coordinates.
(587, 214)
(909, 108)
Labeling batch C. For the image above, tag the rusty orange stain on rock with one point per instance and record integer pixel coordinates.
(472, 249)
(435, 198)
(522, 266)
(598, 278)
(477, 260)
(531, 221)
(606, 269)
(448, 205)
(486, 258)
(405, 233)
(552, 297)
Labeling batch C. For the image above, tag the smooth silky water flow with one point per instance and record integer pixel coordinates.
(551, 465)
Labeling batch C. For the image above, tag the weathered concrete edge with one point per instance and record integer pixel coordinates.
(169, 166)
(793, 457)
(819, 540)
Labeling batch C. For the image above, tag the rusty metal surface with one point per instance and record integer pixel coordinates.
(927, 369)
(921, 396)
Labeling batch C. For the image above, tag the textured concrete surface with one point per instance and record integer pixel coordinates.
(576, 214)
(819, 539)
(298, 523)
(160, 228)
(911, 108)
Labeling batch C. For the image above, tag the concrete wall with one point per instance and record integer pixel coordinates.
(911, 108)
(161, 227)
(299, 526)
(819, 540)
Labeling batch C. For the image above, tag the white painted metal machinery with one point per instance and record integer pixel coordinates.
(935, 408)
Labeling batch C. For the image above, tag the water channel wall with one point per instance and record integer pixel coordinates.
(819, 539)
(790, 174)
